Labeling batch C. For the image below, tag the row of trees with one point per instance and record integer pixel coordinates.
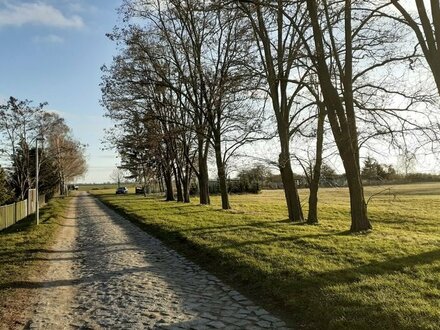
(196, 77)
(26, 129)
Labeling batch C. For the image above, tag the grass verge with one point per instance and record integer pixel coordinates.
(22, 244)
(321, 277)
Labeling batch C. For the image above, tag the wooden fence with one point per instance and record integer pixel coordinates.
(12, 213)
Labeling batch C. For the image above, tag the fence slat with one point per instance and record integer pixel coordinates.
(3, 217)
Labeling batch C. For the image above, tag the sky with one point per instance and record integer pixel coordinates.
(52, 51)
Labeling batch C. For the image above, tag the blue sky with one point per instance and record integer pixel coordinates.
(52, 51)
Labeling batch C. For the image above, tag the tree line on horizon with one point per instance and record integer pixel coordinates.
(197, 78)
(26, 129)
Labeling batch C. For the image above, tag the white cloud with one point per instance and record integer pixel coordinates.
(37, 13)
(49, 39)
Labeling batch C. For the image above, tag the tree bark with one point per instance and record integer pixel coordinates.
(161, 183)
(185, 177)
(178, 181)
(358, 206)
(312, 217)
(203, 182)
(290, 189)
(169, 194)
(186, 196)
(203, 176)
(144, 178)
(221, 172)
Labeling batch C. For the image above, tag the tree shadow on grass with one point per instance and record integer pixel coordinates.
(305, 296)
(358, 310)
(302, 295)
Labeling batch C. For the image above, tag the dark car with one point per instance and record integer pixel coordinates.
(141, 190)
(121, 190)
(72, 187)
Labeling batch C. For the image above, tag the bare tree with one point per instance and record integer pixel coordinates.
(152, 132)
(426, 29)
(358, 54)
(19, 127)
(21, 124)
(197, 51)
(279, 42)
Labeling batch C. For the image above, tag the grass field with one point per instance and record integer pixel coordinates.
(318, 276)
(21, 244)
(108, 186)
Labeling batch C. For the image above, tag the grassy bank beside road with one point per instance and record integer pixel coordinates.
(20, 246)
(320, 276)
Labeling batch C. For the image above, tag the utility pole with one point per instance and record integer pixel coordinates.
(37, 170)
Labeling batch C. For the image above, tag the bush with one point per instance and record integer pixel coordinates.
(243, 186)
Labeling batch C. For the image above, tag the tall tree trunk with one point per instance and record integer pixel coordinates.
(178, 184)
(185, 176)
(203, 177)
(161, 183)
(290, 189)
(185, 185)
(358, 205)
(144, 178)
(221, 172)
(435, 68)
(312, 217)
(62, 186)
(169, 196)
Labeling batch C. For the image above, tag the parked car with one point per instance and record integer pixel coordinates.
(72, 187)
(121, 190)
(141, 190)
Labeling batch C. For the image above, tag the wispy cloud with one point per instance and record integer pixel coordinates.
(38, 13)
(49, 39)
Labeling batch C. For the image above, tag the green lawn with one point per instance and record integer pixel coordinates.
(318, 276)
(21, 244)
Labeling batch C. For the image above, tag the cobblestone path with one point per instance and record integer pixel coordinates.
(108, 274)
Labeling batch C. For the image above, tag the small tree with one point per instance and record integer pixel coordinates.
(258, 173)
(328, 173)
(374, 171)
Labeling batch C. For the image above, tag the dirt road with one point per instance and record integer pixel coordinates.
(105, 273)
